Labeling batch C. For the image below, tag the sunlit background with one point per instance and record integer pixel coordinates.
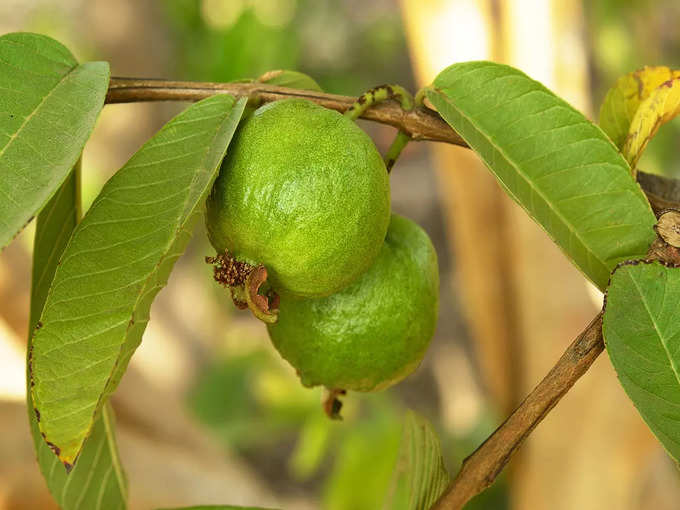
(209, 413)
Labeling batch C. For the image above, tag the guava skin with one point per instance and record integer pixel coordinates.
(304, 192)
(373, 333)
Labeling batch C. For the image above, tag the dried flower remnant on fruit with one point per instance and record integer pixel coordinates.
(265, 307)
(232, 274)
(228, 271)
(244, 282)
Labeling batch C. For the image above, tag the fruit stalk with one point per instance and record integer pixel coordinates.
(420, 123)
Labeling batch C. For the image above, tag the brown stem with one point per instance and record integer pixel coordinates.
(420, 124)
(481, 468)
(332, 403)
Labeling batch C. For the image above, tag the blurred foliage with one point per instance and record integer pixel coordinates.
(626, 35)
(347, 47)
(256, 405)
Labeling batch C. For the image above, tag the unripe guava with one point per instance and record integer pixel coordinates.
(374, 332)
(304, 193)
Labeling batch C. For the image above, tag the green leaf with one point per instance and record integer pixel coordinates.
(291, 79)
(420, 476)
(312, 444)
(117, 260)
(556, 164)
(624, 99)
(98, 480)
(48, 108)
(662, 105)
(642, 334)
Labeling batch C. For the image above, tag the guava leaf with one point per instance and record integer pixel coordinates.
(98, 480)
(555, 163)
(291, 79)
(48, 108)
(642, 333)
(624, 99)
(420, 476)
(662, 105)
(117, 260)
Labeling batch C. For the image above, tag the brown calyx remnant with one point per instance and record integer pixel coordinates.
(332, 404)
(231, 273)
(244, 282)
(228, 271)
(265, 307)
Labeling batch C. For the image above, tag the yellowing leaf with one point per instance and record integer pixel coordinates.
(624, 98)
(662, 105)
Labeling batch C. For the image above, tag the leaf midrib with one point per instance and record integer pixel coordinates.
(115, 460)
(674, 368)
(38, 106)
(522, 174)
(181, 224)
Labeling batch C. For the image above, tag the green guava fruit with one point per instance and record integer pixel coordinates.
(304, 193)
(374, 332)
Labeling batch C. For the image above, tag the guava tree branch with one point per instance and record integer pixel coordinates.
(420, 123)
(481, 468)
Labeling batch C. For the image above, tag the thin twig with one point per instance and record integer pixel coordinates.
(420, 123)
(481, 468)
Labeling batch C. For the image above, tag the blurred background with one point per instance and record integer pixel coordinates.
(209, 413)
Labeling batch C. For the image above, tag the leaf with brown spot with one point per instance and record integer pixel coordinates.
(661, 106)
(117, 260)
(98, 480)
(48, 107)
(624, 98)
